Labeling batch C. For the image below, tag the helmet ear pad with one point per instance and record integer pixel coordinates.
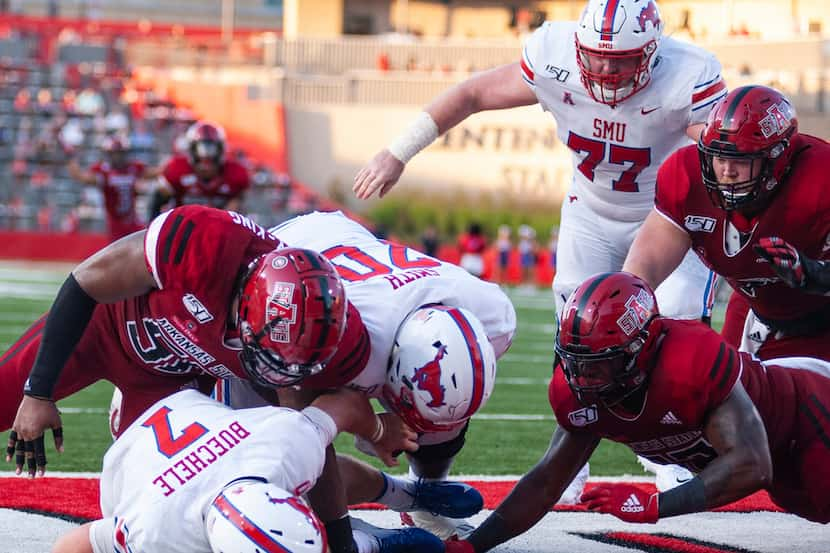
(442, 368)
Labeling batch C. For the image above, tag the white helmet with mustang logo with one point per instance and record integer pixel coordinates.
(616, 45)
(250, 516)
(442, 368)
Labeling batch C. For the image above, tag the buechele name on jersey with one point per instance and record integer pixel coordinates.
(665, 441)
(189, 466)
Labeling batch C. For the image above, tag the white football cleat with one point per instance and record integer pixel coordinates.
(574, 490)
(666, 476)
(444, 527)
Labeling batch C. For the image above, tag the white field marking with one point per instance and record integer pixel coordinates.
(18, 317)
(28, 291)
(512, 417)
(522, 381)
(27, 275)
(540, 328)
(535, 303)
(83, 410)
(526, 358)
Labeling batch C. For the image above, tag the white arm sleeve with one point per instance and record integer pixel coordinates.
(100, 535)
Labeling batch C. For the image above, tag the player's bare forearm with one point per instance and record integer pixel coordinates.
(657, 250)
(498, 88)
(116, 272)
(328, 496)
(536, 491)
(743, 464)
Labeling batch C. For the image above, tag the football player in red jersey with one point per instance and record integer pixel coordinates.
(204, 175)
(117, 176)
(675, 392)
(200, 292)
(750, 200)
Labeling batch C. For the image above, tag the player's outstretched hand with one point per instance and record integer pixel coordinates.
(624, 501)
(395, 438)
(784, 258)
(379, 175)
(25, 443)
(458, 546)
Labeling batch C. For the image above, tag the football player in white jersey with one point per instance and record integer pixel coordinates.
(624, 97)
(435, 333)
(193, 476)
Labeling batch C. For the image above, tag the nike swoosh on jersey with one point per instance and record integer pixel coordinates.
(645, 111)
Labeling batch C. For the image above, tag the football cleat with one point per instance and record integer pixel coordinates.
(399, 540)
(573, 492)
(444, 527)
(446, 498)
(667, 476)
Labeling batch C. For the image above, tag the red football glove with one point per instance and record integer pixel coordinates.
(785, 260)
(624, 501)
(458, 546)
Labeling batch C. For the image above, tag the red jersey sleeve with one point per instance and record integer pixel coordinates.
(673, 185)
(183, 247)
(138, 168)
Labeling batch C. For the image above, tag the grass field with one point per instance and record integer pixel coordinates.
(507, 437)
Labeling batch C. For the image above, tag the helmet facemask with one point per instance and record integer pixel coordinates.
(607, 377)
(632, 71)
(264, 366)
(747, 196)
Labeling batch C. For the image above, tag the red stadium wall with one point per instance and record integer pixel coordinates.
(49, 246)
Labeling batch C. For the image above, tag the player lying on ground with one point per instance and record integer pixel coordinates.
(191, 475)
(673, 391)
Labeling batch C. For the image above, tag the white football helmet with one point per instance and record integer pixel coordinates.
(250, 516)
(616, 45)
(442, 368)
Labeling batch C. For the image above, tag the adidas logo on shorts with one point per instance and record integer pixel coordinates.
(632, 505)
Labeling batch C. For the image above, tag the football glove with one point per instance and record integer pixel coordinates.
(786, 261)
(624, 501)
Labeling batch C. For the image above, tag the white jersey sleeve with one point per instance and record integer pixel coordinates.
(542, 53)
(709, 88)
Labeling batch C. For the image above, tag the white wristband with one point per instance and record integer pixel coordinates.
(420, 134)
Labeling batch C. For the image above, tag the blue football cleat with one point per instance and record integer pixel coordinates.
(406, 540)
(447, 498)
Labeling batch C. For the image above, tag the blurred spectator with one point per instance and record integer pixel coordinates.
(89, 102)
(141, 138)
(117, 122)
(43, 102)
(527, 253)
(71, 135)
(282, 186)
(503, 247)
(471, 245)
(429, 241)
(23, 101)
(553, 245)
(382, 62)
(5, 132)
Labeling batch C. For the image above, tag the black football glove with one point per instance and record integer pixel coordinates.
(794, 268)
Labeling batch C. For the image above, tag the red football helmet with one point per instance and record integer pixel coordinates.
(292, 315)
(603, 329)
(206, 141)
(755, 124)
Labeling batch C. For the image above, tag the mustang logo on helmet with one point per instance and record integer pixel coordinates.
(648, 13)
(280, 306)
(428, 377)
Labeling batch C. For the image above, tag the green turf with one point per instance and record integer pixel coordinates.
(493, 446)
